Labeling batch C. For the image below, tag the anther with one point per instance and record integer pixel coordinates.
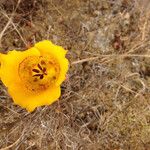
(36, 70)
(54, 77)
(43, 62)
(41, 76)
(39, 66)
(44, 69)
(36, 75)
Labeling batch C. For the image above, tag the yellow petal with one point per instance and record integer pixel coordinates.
(57, 52)
(31, 101)
(33, 77)
(48, 47)
(10, 64)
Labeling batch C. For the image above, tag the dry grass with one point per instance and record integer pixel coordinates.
(105, 102)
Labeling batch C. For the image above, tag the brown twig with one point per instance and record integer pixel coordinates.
(115, 57)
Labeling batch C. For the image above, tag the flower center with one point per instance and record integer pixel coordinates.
(38, 73)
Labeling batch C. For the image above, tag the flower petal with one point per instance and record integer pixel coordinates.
(58, 53)
(17, 67)
(10, 64)
(48, 47)
(31, 101)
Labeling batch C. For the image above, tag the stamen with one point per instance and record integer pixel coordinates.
(54, 78)
(36, 70)
(39, 72)
(44, 69)
(43, 62)
(41, 76)
(39, 66)
(36, 75)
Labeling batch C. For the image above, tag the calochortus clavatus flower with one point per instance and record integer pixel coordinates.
(33, 77)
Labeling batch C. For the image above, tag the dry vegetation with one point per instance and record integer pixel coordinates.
(105, 102)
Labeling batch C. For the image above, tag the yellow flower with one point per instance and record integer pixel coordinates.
(33, 77)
